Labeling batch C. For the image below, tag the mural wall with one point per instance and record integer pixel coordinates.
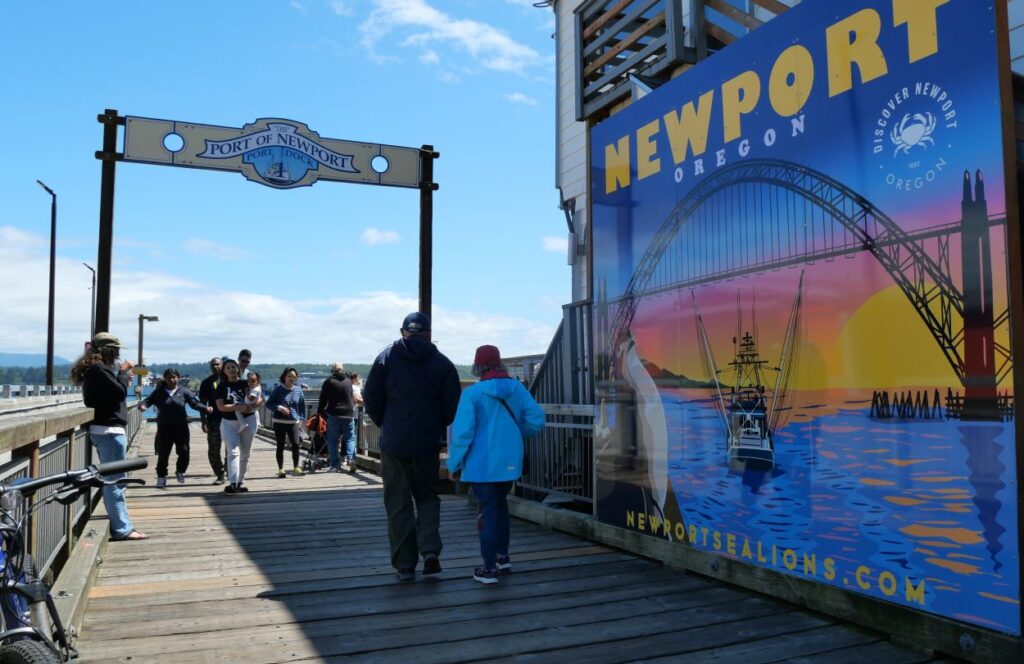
(801, 307)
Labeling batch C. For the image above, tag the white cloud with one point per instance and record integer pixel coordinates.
(448, 77)
(225, 252)
(299, 7)
(341, 7)
(520, 98)
(200, 320)
(552, 243)
(429, 57)
(372, 236)
(490, 47)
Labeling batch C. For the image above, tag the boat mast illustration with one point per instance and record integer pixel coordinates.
(748, 416)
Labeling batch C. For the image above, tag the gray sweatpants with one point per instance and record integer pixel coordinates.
(238, 435)
(411, 532)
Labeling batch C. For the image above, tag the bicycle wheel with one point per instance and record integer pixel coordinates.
(28, 652)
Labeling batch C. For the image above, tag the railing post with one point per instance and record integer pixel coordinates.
(69, 510)
(5, 391)
(30, 452)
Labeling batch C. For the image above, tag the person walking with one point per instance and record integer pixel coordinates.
(288, 407)
(357, 388)
(238, 424)
(105, 384)
(412, 393)
(493, 418)
(337, 404)
(244, 360)
(211, 421)
(172, 424)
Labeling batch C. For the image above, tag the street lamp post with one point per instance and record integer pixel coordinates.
(142, 319)
(53, 263)
(92, 318)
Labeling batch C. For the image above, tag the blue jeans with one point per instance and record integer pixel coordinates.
(114, 447)
(345, 429)
(492, 520)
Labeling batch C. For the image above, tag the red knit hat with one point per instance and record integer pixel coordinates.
(487, 356)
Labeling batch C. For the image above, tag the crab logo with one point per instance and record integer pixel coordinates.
(913, 131)
(917, 115)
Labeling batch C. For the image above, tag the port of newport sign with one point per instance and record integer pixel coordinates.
(274, 152)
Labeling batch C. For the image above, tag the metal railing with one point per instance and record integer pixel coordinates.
(367, 437)
(23, 391)
(566, 376)
(561, 467)
(561, 457)
(63, 446)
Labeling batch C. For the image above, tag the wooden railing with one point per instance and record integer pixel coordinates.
(620, 43)
(619, 38)
(725, 21)
(44, 443)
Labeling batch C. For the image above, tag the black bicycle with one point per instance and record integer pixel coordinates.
(31, 631)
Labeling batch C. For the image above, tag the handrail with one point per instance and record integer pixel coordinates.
(28, 429)
(46, 440)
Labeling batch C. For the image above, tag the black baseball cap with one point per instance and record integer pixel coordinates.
(416, 323)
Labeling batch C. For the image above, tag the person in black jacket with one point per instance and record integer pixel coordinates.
(172, 424)
(412, 393)
(104, 389)
(337, 404)
(211, 421)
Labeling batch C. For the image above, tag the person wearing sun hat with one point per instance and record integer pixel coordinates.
(494, 417)
(105, 385)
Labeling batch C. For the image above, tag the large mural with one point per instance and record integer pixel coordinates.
(801, 307)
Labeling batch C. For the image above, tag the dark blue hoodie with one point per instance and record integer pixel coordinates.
(412, 393)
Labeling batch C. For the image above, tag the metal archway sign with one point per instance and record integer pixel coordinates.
(275, 152)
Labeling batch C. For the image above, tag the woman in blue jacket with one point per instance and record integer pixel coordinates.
(493, 418)
(288, 407)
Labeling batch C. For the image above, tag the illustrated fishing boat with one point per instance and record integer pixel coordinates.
(277, 172)
(749, 413)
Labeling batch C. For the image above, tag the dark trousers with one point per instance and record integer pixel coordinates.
(285, 433)
(171, 436)
(214, 447)
(411, 531)
(492, 520)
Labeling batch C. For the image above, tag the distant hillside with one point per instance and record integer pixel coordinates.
(29, 360)
(666, 378)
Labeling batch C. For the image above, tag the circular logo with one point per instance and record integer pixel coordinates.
(913, 130)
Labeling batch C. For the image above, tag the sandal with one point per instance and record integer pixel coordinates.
(134, 535)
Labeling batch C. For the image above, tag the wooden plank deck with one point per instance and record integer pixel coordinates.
(297, 571)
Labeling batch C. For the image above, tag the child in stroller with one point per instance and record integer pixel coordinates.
(316, 454)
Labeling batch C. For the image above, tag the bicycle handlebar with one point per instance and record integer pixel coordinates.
(30, 486)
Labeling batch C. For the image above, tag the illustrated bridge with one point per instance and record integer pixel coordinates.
(766, 214)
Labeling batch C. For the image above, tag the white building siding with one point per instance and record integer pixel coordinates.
(571, 157)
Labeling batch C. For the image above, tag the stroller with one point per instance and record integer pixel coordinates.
(316, 453)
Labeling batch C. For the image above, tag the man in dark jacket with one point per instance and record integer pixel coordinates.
(337, 404)
(412, 393)
(211, 421)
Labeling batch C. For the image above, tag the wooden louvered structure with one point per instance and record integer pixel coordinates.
(649, 40)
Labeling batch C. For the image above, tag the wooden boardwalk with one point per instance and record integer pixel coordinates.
(297, 571)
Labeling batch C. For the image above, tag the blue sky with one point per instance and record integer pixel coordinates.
(318, 273)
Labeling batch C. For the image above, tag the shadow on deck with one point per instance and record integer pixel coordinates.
(298, 570)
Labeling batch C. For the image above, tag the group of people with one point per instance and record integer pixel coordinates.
(412, 394)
